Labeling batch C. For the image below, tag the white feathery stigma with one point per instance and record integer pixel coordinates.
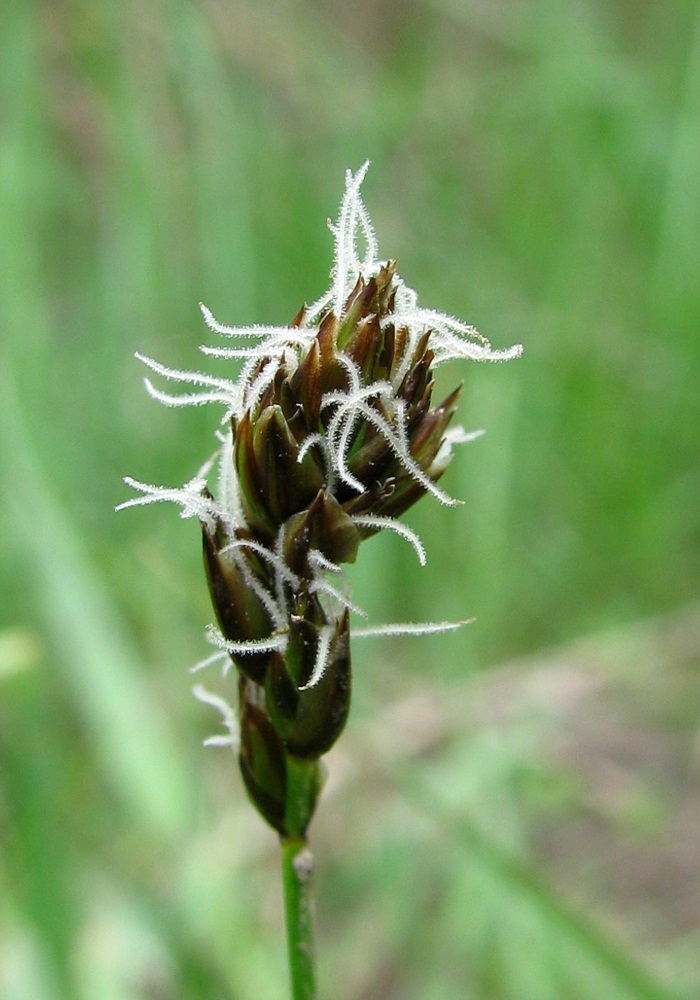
(450, 339)
(228, 715)
(263, 351)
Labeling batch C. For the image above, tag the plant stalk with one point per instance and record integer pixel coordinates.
(297, 872)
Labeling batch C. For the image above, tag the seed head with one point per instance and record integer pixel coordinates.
(330, 434)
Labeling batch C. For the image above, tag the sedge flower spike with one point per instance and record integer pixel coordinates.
(330, 435)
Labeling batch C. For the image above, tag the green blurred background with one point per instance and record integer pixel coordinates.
(513, 812)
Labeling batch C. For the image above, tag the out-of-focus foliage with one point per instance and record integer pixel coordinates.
(488, 832)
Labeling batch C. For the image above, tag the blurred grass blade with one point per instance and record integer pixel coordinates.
(572, 927)
(86, 635)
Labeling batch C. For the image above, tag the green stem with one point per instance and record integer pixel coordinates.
(297, 871)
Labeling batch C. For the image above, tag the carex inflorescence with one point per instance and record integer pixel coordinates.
(330, 434)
